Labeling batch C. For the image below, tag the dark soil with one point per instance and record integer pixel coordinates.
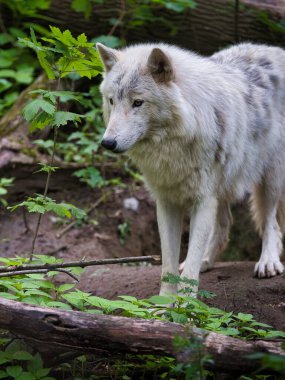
(232, 282)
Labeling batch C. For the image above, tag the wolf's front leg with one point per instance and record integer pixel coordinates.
(202, 223)
(170, 219)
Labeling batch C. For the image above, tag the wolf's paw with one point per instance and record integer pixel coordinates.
(206, 265)
(268, 268)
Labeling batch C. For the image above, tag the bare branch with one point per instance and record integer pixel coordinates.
(81, 264)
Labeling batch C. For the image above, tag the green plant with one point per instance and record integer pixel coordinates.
(17, 67)
(124, 229)
(31, 8)
(272, 24)
(59, 55)
(42, 204)
(17, 363)
(4, 183)
(269, 362)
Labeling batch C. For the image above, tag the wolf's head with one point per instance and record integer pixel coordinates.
(137, 95)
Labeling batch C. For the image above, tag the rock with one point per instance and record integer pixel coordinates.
(131, 204)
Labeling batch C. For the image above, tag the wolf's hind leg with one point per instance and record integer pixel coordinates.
(170, 218)
(218, 239)
(264, 206)
(219, 236)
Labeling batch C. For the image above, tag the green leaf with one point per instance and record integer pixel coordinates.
(91, 176)
(275, 334)
(229, 331)
(46, 65)
(4, 84)
(5, 38)
(37, 292)
(63, 96)
(245, 317)
(178, 318)
(77, 271)
(26, 376)
(58, 304)
(22, 355)
(41, 372)
(33, 207)
(46, 168)
(24, 74)
(62, 118)
(128, 298)
(41, 121)
(3, 374)
(160, 300)
(5, 357)
(35, 106)
(65, 287)
(83, 6)
(9, 296)
(14, 371)
(45, 259)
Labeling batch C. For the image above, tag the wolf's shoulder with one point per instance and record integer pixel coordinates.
(248, 53)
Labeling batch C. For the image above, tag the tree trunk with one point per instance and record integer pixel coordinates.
(86, 333)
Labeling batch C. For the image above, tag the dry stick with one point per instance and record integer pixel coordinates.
(69, 226)
(33, 271)
(82, 264)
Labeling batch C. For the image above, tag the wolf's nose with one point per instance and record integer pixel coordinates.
(109, 144)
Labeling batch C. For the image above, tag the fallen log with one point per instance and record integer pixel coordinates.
(88, 333)
(207, 28)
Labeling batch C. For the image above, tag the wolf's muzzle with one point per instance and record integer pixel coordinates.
(109, 144)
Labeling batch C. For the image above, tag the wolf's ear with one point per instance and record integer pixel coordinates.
(108, 56)
(160, 66)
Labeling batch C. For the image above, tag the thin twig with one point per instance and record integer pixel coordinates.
(72, 224)
(80, 264)
(68, 273)
(21, 272)
(119, 19)
(45, 193)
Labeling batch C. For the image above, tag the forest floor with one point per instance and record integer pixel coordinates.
(233, 283)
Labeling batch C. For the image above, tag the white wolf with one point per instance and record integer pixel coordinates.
(204, 132)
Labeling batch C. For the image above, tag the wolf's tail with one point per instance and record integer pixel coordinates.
(258, 211)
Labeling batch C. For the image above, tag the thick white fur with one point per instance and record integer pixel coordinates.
(210, 131)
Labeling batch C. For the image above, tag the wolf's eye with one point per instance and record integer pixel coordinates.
(137, 103)
(111, 101)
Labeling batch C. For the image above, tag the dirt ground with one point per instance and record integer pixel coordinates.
(232, 282)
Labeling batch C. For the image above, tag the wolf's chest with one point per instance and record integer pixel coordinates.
(179, 175)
